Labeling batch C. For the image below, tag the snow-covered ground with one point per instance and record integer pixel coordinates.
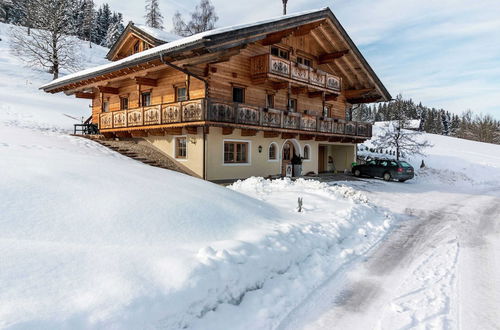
(92, 239)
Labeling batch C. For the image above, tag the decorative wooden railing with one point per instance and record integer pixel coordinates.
(262, 65)
(228, 112)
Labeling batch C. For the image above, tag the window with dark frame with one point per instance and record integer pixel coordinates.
(238, 94)
(235, 152)
(292, 105)
(181, 147)
(279, 52)
(105, 106)
(181, 93)
(146, 99)
(136, 47)
(272, 152)
(270, 100)
(306, 152)
(305, 61)
(123, 103)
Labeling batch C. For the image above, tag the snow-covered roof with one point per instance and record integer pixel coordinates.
(170, 46)
(219, 35)
(158, 34)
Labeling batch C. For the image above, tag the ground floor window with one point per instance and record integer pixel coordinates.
(273, 151)
(180, 147)
(307, 152)
(235, 152)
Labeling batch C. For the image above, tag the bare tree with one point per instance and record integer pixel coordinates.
(202, 19)
(50, 45)
(395, 134)
(153, 17)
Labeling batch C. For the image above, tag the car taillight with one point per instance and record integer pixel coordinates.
(400, 169)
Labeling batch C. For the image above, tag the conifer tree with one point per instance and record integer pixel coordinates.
(153, 16)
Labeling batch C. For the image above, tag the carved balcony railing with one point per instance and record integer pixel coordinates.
(262, 66)
(219, 111)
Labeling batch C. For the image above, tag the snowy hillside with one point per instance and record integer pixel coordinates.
(89, 238)
(455, 158)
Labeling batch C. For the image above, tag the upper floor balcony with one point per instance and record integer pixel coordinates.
(269, 66)
(222, 113)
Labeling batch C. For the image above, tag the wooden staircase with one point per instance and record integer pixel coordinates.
(142, 151)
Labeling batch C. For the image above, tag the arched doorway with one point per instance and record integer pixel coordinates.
(290, 148)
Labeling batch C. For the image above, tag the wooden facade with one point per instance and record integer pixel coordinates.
(295, 78)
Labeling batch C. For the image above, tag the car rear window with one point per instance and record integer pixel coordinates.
(405, 164)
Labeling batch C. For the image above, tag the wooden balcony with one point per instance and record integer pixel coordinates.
(268, 66)
(208, 112)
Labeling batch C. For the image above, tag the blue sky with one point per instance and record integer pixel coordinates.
(445, 53)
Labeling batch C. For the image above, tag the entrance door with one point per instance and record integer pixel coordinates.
(322, 159)
(287, 155)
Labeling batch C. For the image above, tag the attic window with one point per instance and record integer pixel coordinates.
(136, 47)
(280, 52)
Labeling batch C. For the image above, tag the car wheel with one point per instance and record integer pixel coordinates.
(402, 180)
(387, 176)
(357, 173)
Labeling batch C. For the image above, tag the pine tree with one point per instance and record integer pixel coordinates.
(115, 30)
(153, 16)
(445, 122)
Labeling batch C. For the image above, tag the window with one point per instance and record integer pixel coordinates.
(287, 152)
(307, 152)
(405, 164)
(235, 152)
(181, 93)
(280, 52)
(146, 99)
(273, 152)
(327, 110)
(384, 163)
(292, 105)
(123, 103)
(181, 147)
(238, 95)
(136, 47)
(304, 61)
(105, 106)
(270, 100)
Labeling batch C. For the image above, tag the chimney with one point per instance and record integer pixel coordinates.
(284, 6)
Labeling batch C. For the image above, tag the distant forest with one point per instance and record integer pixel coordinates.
(477, 127)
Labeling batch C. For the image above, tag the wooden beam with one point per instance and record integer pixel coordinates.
(356, 93)
(305, 137)
(281, 85)
(288, 135)
(123, 134)
(334, 139)
(315, 94)
(138, 133)
(331, 57)
(156, 132)
(192, 130)
(248, 132)
(146, 81)
(227, 130)
(274, 38)
(305, 29)
(83, 95)
(331, 97)
(174, 131)
(299, 90)
(364, 100)
(269, 134)
(109, 90)
(321, 138)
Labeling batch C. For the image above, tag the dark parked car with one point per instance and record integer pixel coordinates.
(385, 168)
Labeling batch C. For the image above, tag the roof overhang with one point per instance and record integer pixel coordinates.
(216, 40)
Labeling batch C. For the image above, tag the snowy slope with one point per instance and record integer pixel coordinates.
(92, 239)
(456, 159)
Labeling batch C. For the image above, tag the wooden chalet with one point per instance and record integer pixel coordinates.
(238, 101)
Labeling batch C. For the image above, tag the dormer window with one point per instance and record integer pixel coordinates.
(279, 52)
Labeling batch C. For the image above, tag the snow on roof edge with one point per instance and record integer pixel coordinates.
(172, 45)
